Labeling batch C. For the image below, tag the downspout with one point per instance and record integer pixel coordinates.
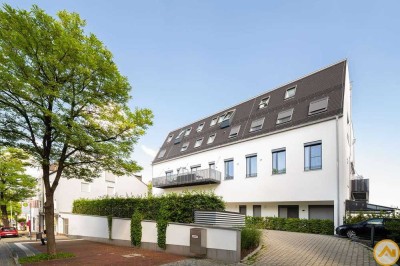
(337, 172)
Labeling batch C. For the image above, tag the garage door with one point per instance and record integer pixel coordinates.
(321, 212)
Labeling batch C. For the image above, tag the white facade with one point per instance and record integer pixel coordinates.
(328, 186)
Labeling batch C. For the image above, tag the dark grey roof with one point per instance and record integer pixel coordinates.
(328, 82)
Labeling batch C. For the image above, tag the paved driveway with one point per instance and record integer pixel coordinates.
(288, 248)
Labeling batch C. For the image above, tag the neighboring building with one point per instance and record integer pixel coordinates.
(69, 190)
(287, 152)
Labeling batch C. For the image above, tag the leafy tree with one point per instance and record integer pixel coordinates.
(64, 101)
(15, 185)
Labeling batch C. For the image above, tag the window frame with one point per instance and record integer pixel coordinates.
(277, 172)
(209, 137)
(309, 145)
(185, 144)
(262, 124)
(188, 131)
(264, 102)
(318, 111)
(249, 165)
(88, 186)
(235, 135)
(289, 89)
(162, 153)
(200, 127)
(214, 121)
(197, 141)
(170, 137)
(289, 120)
(229, 177)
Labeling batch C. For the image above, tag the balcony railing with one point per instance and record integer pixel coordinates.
(199, 177)
(360, 189)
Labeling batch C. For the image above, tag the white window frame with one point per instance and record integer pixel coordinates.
(170, 137)
(252, 127)
(234, 135)
(226, 116)
(289, 89)
(200, 127)
(88, 186)
(290, 117)
(264, 102)
(198, 142)
(320, 110)
(162, 153)
(187, 131)
(211, 138)
(214, 121)
(180, 134)
(185, 146)
(113, 193)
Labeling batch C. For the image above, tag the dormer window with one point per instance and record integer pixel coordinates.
(213, 121)
(226, 116)
(234, 132)
(284, 116)
(257, 125)
(290, 92)
(187, 132)
(263, 103)
(170, 138)
(318, 106)
(200, 127)
(180, 134)
(162, 153)
(185, 146)
(198, 143)
(211, 138)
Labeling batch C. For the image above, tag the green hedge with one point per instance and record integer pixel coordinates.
(314, 226)
(175, 207)
(136, 229)
(250, 237)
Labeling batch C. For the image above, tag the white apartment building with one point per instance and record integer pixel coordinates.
(287, 153)
(69, 190)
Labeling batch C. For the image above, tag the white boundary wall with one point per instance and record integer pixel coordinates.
(222, 243)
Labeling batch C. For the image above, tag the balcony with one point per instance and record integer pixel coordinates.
(360, 189)
(199, 177)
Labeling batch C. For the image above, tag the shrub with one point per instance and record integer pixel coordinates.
(394, 227)
(257, 222)
(250, 237)
(136, 229)
(162, 233)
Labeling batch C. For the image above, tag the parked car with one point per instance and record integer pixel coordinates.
(363, 229)
(8, 231)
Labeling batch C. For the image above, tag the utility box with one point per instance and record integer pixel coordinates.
(198, 241)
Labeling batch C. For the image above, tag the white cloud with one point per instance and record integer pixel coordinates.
(149, 151)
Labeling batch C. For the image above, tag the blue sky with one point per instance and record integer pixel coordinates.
(189, 59)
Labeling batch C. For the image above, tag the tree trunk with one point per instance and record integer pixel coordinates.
(49, 220)
(4, 216)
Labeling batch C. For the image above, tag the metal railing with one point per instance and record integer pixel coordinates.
(199, 177)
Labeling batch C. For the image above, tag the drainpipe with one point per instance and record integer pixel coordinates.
(337, 171)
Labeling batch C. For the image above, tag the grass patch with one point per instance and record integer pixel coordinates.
(45, 257)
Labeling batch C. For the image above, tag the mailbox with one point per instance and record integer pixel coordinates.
(198, 241)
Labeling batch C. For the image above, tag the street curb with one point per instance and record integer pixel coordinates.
(252, 253)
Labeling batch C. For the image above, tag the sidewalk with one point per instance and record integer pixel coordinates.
(5, 255)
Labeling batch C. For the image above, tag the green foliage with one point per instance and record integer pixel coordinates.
(394, 227)
(361, 216)
(250, 237)
(45, 257)
(109, 223)
(176, 207)
(314, 226)
(21, 220)
(15, 185)
(172, 207)
(136, 229)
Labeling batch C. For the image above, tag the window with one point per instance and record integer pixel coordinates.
(290, 92)
(213, 121)
(185, 146)
(180, 134)
(288, 211)
(256, 210)
(318, 106)
(110, 191)
(162, 153)
(234, 132)
(200, 127)
(251, 166)
(85, 187)
(170, 138)
(109, 177)
(242, 209)
(211, 138)
(187, 132)
(229, 169)
(313, 156)
(198, 143)
(263, 103)
(168, 174)
(284, 116)
(279, 161)
(211, 165)
(226, 116)
(257, 124)
(378, 221)
(195, 168)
